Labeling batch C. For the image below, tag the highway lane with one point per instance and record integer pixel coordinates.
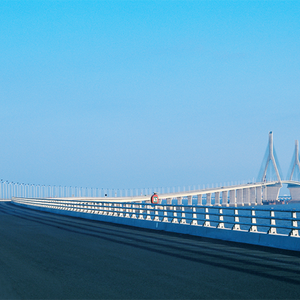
(48, 256)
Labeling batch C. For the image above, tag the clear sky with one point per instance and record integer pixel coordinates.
(134, 94)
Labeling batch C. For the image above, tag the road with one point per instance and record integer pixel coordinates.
(48, 256)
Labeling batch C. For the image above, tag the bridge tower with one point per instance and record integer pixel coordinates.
(295, 161)
(295, 170)
(271, 192)
(270, 159)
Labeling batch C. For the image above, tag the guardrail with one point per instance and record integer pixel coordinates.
(29, 190)
(240, 219)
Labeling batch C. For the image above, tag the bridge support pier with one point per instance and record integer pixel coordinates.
(232, 199)
(217, 198)
(239, 197)
(271, 192)
(190, 200)
(179, 200)
(252, 196)
(246, 196)
(199, 198)
(169, 200)
(208, 199)
(225, 198)
(258, 196)
(294, 191)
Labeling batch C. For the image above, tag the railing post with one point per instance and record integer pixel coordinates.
(194, 221)
(105, 209)
(236, 226)
(206, 223)
(165, 219)
(253, 228)
(156, 218)
(148, 213)
(127, 215)
(141, 217)
(121, 214)
(133, 216)
(221, 219)
(183, 220)
(294, 232)
(174, 220)
(116, 209)
(110, 213)
(272, 230)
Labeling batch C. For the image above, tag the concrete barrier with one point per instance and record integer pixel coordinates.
(222, 233)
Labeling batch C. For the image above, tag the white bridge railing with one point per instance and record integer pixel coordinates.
(245, 219)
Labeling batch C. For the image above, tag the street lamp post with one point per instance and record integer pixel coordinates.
(1, 189)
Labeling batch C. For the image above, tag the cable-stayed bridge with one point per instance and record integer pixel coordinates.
(51, 247)
(231, 213)
(266, 189)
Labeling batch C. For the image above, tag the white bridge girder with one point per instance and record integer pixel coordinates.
(237, 195)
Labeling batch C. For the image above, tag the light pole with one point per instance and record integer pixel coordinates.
(1, 189)
(6, 189)
(17, 188)
(21, 190)
(10, 189)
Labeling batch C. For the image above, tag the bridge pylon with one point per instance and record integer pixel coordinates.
(271, 192)
(295, 162)
(295, 170)
(270, 159)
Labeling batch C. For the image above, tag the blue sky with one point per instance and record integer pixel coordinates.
(134, 94)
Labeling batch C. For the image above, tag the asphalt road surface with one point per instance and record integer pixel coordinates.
(48, 256)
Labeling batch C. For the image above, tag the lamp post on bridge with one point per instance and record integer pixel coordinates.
(1, 189)
(10, 189)
(17, 194)
(5, 188)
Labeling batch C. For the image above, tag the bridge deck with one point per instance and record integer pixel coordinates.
(186, 193)
(51, 256)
